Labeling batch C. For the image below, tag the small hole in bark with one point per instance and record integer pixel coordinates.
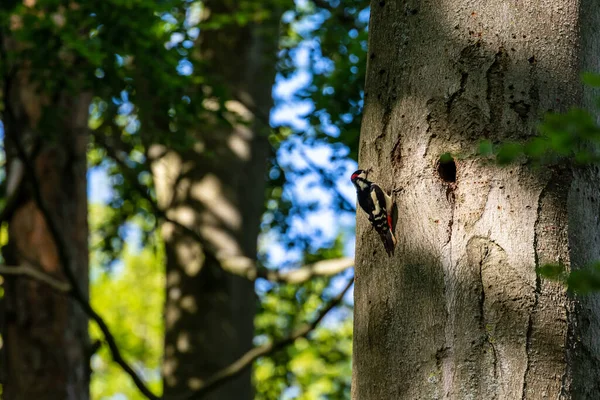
(447, 168)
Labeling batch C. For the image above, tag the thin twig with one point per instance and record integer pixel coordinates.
(245, 361)
(65, 260)
(346, 205)
(36, 274)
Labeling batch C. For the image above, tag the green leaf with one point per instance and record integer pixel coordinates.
(446, 158)
(584, 281)
(537, 147)
(485, 147)
(509, 152)
(556, 272)
(591, 79)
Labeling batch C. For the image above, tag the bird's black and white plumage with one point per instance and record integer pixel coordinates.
(378, 206)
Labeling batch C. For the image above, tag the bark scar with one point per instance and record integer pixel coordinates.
(387, 114)
(537, 291)
(464, 76)
(396, 155)
(482, 318)
(495, 89)
(530, 333)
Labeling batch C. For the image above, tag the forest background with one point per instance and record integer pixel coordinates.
(110, 49)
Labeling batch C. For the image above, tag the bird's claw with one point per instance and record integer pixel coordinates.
(396, 191)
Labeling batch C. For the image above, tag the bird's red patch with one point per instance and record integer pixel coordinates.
(390, 222)
(354, 176)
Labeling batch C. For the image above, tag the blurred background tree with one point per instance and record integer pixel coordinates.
(187, 85)
(45, 97)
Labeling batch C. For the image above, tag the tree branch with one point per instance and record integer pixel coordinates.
(246, 267)
(238, 366)
(264, 119)
(65, 260)
(143, 191)
(36, 274)
(345, 204)
(241, 266)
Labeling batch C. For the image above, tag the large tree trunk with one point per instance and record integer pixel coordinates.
(217, 189)
(44, 332)
(459, 312)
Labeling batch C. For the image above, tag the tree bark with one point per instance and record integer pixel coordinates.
(217, 189)
(459, 311)
(44, 333)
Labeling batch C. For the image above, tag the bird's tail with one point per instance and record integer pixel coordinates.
(389, 241)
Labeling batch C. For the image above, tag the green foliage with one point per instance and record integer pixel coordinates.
(334, 35)
(582, 281)
(337, 35)
(114, 49)
(591, 79)
(569, 137)
(446, 158)
(486, 148)
(585, 280)
(508, 153)
(317, 367)
(555, 272)
(130, 299)
(122, 52)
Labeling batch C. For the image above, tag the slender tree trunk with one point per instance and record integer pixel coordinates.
(459, 312)
(217, 189)
(44, 333)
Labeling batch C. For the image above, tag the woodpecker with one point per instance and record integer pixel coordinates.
(378, 206)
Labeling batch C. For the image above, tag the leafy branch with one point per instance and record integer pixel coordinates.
(245, 361)
(581, 281)
(241, 266)
(71, 287)
(329, 181)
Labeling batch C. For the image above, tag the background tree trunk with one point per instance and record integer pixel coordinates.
(220, 194)
(45, 333)
(459, 311)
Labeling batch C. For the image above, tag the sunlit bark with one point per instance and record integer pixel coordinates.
(459, 312)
